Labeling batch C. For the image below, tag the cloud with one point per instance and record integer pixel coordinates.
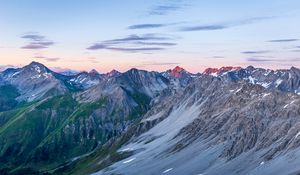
(36, 41)
(140, 49)
(204, 28)
(156, 43)
(164, 9)
(218, 57)
(222, 25)
(49, 59)
(124, 49)
(144, 37)
(159, 63)
(97, 46)
(283, 40)
(146, 26)
(34, 37)
(33, 46)
(255, 52)
(167, 6)
(256, 59)
(136, 43)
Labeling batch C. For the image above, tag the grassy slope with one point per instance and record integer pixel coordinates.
(107, 154)
(8, 94)
(33, 138)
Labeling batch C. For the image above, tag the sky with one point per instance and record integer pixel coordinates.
(151, 35)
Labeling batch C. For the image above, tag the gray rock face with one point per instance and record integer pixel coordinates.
(85, 80)
(217, 127)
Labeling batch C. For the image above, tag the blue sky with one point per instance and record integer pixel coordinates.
(153, 35)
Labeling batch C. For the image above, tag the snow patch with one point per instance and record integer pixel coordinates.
(239, 90)
(16, 73)
(266, 94)
(252, 80)
(297, 135)
(264, 84)
(214, 74)
(130, 160)
(126, 150)
(170, 169)
(278, 82)
(289, 104)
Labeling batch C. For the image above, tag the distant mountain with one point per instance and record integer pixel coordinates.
(34, 81)
(85, 80)
(287, 80)
(113, 73)
(64, 71)
(219, 71)
(3, 68)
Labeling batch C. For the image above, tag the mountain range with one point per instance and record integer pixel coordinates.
(228, 120)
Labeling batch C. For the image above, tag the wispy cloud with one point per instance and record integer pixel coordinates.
(203, 28)
(283, 40)
(136, 43)
(156, 43)
(222, 25)
(144, 37)
(159, 63)
(218, 57)
(146, 26)
(33, 37)
(164, 9)
(97, 46)
(36, 41)
(139, 49)
(256, 52)
(49, 59)
(256, 59)
(168, 6)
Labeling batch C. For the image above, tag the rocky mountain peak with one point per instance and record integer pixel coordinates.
(177, 72)
(94, 72)
(113, 73)
(36, 67)
(294, 69)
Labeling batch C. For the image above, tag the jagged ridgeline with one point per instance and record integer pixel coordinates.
(150, 122)
(48, 119)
